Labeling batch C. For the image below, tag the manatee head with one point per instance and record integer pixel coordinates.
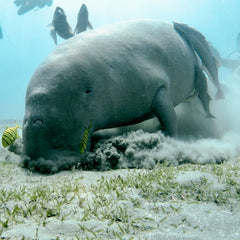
(47, 133)
(56, 116)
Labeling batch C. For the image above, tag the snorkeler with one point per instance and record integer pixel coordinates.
(27, 5)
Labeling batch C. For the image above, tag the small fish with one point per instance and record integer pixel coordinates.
(199, 44)
(10, 135)
(84, 140)
(60, 25)
(82, 20)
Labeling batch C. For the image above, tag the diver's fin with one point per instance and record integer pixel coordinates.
(89, 25)
(53, 35)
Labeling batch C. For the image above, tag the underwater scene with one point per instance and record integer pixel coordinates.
(120, 119)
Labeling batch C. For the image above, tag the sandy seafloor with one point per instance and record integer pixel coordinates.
(159, 187)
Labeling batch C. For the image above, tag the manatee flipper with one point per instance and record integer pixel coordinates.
(201, 88)
(53, 35)
(163, 107)
(199, 44)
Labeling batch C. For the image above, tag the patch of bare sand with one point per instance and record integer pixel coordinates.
(181, 202)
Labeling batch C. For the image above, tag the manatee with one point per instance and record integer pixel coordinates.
(199, 44)
(82, 20)
(109, 77)
(60, 25)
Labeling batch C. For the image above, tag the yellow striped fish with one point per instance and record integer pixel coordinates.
(84, 140)
(10, 135)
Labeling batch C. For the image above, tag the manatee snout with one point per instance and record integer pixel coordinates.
(47, 146)
(33, 137)
(41, 138)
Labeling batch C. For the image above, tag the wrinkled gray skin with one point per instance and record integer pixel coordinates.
(114, 76)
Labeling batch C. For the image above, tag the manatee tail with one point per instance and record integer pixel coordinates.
(199, 44)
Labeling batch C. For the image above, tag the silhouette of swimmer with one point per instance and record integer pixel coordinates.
(27, 5)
